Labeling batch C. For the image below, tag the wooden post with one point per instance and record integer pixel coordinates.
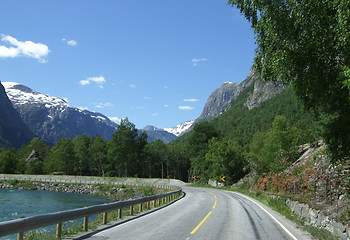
(120, 213)
(59, 230)
(141, 206)
(148, 205)
(131, 210)
(86, 224)
(105, 218)
(20, 235)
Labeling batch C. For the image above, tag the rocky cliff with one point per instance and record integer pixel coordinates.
(13, 131)
(226, 95)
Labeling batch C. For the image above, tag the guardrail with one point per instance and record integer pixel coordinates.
(20, 226)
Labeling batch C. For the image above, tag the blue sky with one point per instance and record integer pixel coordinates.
(155, 62)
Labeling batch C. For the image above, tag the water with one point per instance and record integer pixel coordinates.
(25, 203)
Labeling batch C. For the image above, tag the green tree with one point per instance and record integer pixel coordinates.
(306, 43)
(179, 162)
(8, 161)
(98, 155)
(36, 166)
(62, 158)
(156, 159)
(225, 158)
(123, 149)
(82, 154)
(198, 143)
(275, 150)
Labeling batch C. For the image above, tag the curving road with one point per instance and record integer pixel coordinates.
(207, 214)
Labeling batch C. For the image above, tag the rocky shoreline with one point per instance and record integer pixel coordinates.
(109, 192)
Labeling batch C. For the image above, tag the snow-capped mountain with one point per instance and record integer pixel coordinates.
(154, 133)
(52, 118)
(180, 129)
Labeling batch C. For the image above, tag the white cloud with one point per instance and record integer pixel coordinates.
(132, 85)
(98, 80)
(70, 42)
(115, 119)
(84, 82)
(191, 100)
(195, 61)
(17, 48)
(166, 105)
(186, 108)
(147, 98)
(103, 105)
(155, 114)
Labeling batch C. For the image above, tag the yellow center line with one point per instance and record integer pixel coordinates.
(204, 219)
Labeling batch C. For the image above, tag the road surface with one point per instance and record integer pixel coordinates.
(207, 214)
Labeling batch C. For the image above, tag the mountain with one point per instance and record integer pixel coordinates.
(179, 129)
(154, 133)
(52, 118)
(223, 97)
(13, 131)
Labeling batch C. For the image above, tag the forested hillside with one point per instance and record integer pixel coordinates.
(232, 143)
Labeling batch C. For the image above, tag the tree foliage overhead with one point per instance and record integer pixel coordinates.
(306, 43)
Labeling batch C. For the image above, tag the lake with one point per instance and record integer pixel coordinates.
(23, 203)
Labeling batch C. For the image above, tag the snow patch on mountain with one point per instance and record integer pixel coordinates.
(20, 94)
(180, 129)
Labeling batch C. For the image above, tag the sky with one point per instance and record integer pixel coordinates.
(155, 62)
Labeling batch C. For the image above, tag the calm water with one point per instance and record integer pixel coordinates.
(24, 203)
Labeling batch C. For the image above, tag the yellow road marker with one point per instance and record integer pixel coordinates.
(204, 219)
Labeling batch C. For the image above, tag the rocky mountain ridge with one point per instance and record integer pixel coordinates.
(52, 118)
(13, 131)
(223, 97)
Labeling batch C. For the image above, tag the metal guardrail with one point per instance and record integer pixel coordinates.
(30, 223)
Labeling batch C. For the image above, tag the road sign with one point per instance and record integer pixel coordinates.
(169, 176)
(136, 175)
(223, 178)
(195, 177)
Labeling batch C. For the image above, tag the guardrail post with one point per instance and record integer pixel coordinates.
(141, 206)
(86, 224)
(120, 211)
(59, 230)
(148, 205)
(131, 210)
(20, 235)
(105, 218)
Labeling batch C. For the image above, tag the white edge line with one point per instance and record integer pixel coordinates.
(278, 222)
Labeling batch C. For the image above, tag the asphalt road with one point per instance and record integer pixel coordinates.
(207, 214)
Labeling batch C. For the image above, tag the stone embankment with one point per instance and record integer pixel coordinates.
(63, 187)
(317, 219)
